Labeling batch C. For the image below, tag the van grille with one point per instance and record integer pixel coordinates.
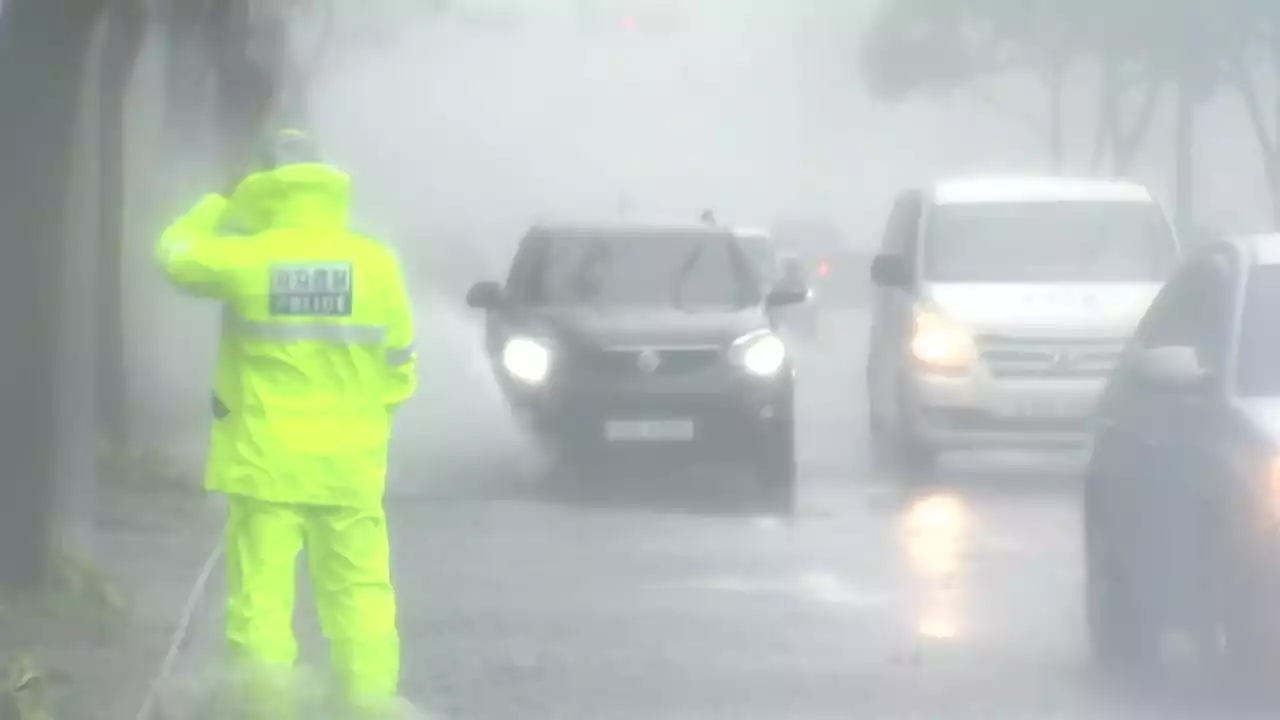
(1016, 357)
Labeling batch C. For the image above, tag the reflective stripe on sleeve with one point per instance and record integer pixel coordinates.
(400, 356)
(305, 331)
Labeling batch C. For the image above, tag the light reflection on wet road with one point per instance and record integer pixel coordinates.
(656, 599)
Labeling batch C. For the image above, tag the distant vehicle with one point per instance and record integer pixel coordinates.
(644, 342)
(1001, 306)
(801, 318)
(1182, 492)
(778, 271)
(844, 278)
(815, 241)
(643, 18)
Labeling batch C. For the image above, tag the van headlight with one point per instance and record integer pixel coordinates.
(526, 360)
(1271, 492)
(941, 343)
(762, 354)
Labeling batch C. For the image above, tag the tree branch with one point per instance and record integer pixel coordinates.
(1104, 131)
(1239, 76)
(1128, 140)
(1027, 120)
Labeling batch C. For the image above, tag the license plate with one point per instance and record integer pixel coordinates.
(648, 430)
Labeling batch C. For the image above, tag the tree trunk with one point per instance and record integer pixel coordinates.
(1126, 141)
(245, 88)
(1266, 127)
(1272, 159)
(1272, 171)
(42, 52)
(1184, 154)
(126, 28)
(1056, 86)
(187, 62)
(1108, 112)
(286, 79)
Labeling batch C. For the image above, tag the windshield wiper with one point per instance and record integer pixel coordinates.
(686, 267)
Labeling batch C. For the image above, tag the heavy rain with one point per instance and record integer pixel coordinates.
(775, 359)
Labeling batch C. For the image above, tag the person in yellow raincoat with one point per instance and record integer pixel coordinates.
(316, 352)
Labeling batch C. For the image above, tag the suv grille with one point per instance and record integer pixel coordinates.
(628, 362)
(1015, 357)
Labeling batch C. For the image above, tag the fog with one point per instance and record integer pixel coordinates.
(461, 131)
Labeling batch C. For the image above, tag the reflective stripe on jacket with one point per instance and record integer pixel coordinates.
(316, 346)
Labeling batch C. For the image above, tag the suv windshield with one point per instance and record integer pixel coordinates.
(1258, 364)
(1057, 242)
(689, 271)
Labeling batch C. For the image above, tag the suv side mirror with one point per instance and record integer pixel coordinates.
(890, 271)
(1171, 367)
(485, 295)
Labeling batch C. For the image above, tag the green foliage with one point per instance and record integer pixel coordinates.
(80, 592)
(146, 471)
(78, 597)
(917, 45)
(28, 690)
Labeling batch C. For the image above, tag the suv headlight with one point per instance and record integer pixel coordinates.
(939, 342)
(526, 360)
(760, 353)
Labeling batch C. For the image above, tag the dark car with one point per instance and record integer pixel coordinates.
(648, 343)
(1182, 493)
(816, 241)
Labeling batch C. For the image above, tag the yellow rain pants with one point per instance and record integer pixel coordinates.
(348, 560)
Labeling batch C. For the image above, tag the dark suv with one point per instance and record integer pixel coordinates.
(1182, 491)
(644, 342)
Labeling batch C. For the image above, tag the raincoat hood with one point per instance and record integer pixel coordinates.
(310, 196)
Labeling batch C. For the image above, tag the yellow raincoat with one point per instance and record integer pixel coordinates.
(316, 351)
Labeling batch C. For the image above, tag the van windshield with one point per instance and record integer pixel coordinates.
(1049, 242)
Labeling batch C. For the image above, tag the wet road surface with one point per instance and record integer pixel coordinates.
(657, 599)
(660, 598)
(867, 606)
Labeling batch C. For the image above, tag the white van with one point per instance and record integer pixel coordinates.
(1001, 305)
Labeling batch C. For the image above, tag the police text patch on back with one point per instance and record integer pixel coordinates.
(321, 288)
